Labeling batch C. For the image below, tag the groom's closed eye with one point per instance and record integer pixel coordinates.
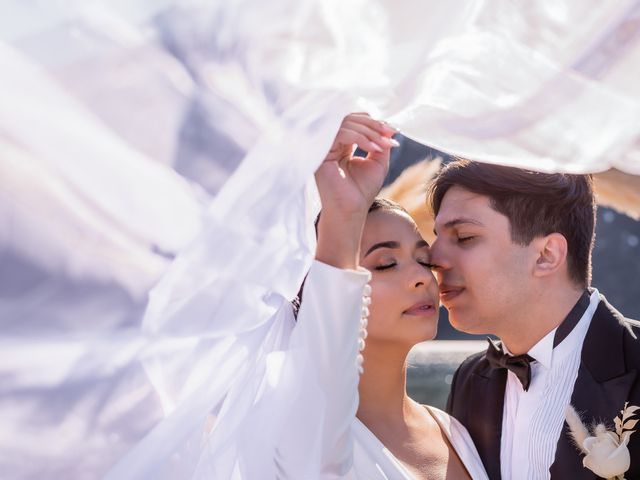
(457, 222)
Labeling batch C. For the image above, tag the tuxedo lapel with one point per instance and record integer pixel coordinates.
(602, 386)
(486, 393)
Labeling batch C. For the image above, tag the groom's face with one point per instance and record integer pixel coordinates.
(482, 275)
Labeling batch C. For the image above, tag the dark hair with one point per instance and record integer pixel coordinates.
(379, 203)
(535, 203)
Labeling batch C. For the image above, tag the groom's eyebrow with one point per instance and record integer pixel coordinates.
(458, 221)
(375, 246)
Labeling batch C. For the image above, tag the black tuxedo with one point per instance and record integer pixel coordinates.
(608, 376)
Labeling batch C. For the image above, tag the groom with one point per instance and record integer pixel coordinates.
(513, 259)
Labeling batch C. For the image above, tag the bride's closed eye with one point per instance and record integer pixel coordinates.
(385, 266)
(388, 265)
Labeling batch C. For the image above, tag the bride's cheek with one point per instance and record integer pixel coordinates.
(382, 303)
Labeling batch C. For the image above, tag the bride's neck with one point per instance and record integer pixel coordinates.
(382, 387)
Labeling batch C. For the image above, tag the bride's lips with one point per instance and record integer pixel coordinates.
(449, 292)
(421, 309)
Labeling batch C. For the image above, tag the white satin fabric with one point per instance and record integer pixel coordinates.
(292, 413)
(147, 139)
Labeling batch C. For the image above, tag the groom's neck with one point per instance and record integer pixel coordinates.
(545, 311)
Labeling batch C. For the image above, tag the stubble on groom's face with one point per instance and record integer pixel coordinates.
(483, 276)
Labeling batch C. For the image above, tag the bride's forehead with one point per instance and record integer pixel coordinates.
(391, 222)
(389, 216)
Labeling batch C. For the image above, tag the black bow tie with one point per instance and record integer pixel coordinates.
(519, 364)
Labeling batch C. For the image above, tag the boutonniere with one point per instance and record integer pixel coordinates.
(606, 452)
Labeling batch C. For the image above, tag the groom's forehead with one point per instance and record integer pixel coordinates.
(459, 202)
(461, 207)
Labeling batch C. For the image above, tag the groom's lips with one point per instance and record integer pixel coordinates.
(449, 292)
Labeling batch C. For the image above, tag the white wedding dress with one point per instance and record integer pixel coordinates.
(373, 460)
(320, 437)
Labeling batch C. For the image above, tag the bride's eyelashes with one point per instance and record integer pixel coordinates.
(389, 265)
(386, 266)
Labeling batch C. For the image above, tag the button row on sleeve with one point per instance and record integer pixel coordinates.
(364, 321)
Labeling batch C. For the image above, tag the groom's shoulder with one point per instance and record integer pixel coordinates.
(627, 323)
(459, 383)
(619, 324)
(471, 364)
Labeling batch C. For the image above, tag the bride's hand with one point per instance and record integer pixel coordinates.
(348, 184)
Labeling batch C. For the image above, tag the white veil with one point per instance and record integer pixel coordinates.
(135, 132)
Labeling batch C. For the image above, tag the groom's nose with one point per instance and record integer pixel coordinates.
(438, 256)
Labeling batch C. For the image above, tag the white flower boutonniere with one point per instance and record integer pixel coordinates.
(606, 452)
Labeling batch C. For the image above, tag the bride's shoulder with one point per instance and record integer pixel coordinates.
(441, 416)
(452, 427)
(461, 441)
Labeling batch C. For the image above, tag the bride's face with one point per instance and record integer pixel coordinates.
(404, 298)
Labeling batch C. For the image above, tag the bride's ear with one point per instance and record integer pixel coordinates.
(551, 254)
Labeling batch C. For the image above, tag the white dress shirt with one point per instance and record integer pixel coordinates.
(532, 421)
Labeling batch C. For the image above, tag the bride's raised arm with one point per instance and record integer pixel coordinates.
(326, 340)
(348, 184)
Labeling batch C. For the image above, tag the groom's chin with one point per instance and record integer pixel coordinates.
(466, 323)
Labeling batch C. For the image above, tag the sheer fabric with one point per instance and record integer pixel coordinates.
(173, 144)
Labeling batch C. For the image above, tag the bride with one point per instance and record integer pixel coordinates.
(364, 239)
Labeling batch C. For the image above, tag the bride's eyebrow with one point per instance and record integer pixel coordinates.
(393, 244)
(375, 246)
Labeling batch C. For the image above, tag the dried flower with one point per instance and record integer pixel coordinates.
(606, 452)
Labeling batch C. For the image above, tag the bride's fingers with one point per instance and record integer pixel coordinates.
(349, 136)
(377, 125)
(381, 158)
(360, 129)
(373, 135)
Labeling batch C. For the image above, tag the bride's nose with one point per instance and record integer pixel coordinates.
(420, 276)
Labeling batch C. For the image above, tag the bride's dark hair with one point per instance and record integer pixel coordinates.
(379, 203)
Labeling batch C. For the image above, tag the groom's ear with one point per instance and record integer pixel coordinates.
(551, 253)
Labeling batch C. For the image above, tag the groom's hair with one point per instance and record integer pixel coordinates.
(535, 203)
